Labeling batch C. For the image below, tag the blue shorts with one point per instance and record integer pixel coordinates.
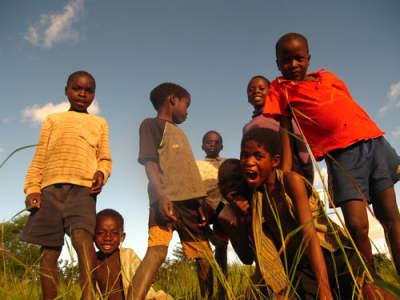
(373, 164)
(64, 207)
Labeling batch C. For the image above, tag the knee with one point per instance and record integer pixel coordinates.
(358, 227)
(50, 256)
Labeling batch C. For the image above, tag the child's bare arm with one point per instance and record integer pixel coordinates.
(286, 146)
(153, 174)
(297, 191)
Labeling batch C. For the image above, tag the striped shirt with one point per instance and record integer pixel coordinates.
(72, 147)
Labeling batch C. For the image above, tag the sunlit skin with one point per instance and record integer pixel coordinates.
(293, 60)
(108, 237)
(258, 167)
(257, 164)
(256, 92)
(108, 234)
(80, 92)
(212, 145)
(179, 109)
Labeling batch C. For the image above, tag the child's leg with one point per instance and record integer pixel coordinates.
(221, 253)
(387, 212)
(204, 272)
(147, 270)
(82, 241)
(49, 271)
(356, 219)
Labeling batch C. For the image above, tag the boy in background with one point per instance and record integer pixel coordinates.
(212, 146)
(337, 127)
(71, 164)
(175, 190)
(300, 161)
(115, 266)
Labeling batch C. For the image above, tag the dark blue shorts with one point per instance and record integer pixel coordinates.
(373, 164)
(64, 207)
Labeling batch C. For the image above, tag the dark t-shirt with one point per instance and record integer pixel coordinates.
(166, 144)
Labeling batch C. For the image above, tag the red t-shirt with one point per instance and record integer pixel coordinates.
(327, 113)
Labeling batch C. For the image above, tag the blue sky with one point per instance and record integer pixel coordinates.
(211, 47)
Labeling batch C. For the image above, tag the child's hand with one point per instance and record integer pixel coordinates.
(97, 183)
(203, 218)
(167, 209)
(33, 201)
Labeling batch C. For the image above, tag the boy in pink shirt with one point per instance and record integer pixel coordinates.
(336, 126)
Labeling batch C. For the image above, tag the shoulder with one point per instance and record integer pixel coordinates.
(151, 122)
(292, 180)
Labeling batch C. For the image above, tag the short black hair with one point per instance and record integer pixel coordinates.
(290, 36)
(80, 73)
(265, 137)
(261, 77)
(160, 93)
(212, 131)
(108, 212)
(230, 177)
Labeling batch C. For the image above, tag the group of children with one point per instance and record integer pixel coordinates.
(263, 203)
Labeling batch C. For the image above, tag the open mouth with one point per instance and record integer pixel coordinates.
(252, 175)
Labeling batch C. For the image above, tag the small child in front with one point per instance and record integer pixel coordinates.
(337, 127)
(291, 214)
(71, 164)
(115, 266)
(176, 191)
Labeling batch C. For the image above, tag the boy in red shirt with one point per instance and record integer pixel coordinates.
(333, 123)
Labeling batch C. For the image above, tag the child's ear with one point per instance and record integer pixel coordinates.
(276, 160)
(172, 99)
(123, 235)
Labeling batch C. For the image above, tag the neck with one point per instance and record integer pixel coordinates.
(83, 112)
(165, 113)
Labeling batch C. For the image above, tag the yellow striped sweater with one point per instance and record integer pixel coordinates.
(72, 147)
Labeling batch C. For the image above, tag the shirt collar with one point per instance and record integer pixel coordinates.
(213, 159)
(282, 79)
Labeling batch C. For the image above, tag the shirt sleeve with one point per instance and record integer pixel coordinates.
(33, 179)
(104, 160)
(150, 133)
(275, 103)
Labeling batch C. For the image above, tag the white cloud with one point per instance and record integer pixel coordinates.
(394, 92)
(54, 27)
(37, 114)
(394, 98)
(396, 132)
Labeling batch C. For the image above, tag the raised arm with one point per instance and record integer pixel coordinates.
(297, 191)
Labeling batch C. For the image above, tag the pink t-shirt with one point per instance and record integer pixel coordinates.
(327, 113)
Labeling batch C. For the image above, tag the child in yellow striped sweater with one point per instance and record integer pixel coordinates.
(71, 164)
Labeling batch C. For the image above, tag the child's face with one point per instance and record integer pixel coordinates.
(179, 109)
(257, 164)
(80, 92)
(212, 145)
(108, 234)
(256, 92)
(293, 59)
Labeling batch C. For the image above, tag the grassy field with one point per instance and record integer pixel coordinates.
(177, 277)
